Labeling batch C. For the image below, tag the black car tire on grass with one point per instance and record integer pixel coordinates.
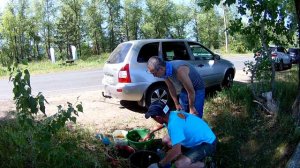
(280, 66)
(228, 80)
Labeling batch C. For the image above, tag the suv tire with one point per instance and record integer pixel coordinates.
(228, 80)
(158, 92)
(280, 65)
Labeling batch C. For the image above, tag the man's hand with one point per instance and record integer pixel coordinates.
(178, 107)
(193, 111)
(147, 137)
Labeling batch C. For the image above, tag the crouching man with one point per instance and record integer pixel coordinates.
(190, 137)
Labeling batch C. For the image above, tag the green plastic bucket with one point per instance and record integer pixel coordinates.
(135, 135)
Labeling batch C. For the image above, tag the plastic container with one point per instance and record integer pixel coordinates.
(133, 137)
(119, 137)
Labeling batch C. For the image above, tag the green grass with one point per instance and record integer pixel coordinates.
(20, 147)
(247, 136)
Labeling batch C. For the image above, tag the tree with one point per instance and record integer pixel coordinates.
(69, 27)
(133, 16)
(159, 19)
(45, 12)
(15, 30)
(296, 105)
(182, 18)
(95, 19)
(114, 21)
(266, 22)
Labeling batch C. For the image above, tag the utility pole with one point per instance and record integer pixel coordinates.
(225, 27)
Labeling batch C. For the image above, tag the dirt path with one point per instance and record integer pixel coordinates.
(100, 114)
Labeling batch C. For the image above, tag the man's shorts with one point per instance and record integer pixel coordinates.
(198, 153)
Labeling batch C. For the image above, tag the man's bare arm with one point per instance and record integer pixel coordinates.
(183, 77)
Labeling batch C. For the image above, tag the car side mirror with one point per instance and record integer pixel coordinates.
(217, 57)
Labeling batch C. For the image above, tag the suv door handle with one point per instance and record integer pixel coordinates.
(200, 65)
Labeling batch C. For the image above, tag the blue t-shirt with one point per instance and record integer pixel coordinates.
(188, 130)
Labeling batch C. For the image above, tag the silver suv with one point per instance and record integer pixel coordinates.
(126, 76)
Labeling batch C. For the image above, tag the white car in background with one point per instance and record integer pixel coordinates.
(280, 56)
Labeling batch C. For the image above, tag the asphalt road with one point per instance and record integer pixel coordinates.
(58, 83)
(78, 81)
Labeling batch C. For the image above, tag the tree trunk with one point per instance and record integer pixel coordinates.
(296, 104)
(48, 43)
(225, 29)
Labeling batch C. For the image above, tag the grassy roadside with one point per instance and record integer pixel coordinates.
(247, 136)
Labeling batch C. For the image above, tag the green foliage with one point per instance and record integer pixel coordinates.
(247, 137)
(133, 18)
(30, 28)
(31, 142)
(26, 104)
(162, 11)
(73, 147)
(261, 74)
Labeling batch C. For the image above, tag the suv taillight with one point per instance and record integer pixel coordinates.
(274, 54)
(124, 75)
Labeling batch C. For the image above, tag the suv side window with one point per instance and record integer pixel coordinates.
(147, 51)
(174, 51)
(199, 52)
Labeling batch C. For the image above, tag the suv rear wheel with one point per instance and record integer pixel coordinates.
(158, 92)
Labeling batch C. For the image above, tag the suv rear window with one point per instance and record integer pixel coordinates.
(119, 53)
(147, 51)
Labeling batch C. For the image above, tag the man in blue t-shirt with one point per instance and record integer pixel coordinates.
(190, 137)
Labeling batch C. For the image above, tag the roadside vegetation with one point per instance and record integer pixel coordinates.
(248, 136)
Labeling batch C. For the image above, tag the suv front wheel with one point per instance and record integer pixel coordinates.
(158, 92)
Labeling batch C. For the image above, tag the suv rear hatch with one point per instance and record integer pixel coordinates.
(114, 69)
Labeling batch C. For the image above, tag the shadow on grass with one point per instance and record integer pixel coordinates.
(247, 137)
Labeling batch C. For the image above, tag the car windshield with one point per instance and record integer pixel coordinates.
(119, 53)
